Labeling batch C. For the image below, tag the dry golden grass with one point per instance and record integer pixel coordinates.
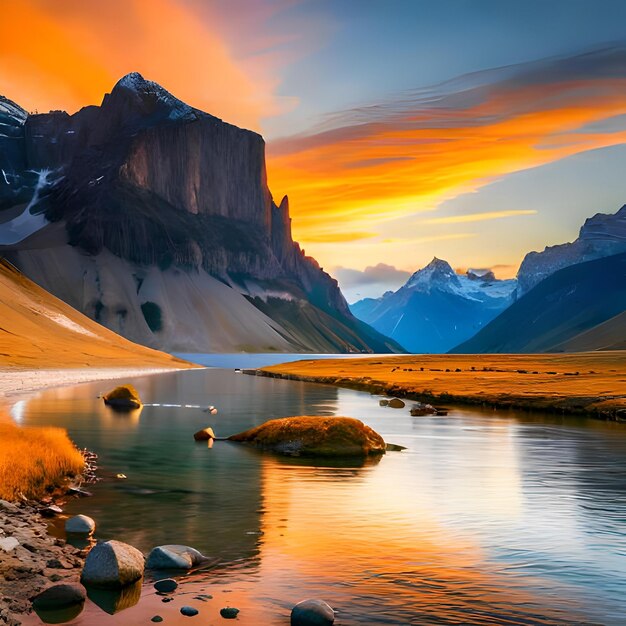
(34, 460)
(592, 383)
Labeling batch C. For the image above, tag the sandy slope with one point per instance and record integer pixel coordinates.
(43, 341)
(592, 383)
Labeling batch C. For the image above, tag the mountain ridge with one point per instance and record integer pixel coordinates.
(144, 181)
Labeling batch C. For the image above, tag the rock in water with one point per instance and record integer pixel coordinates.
(167, 585)
(80, 525)
(175, 557)
(59, 597)
(229, 612)
(112, 564)
(189, 611)
(315, 436)
(123, 397)
(396, 403)
(312, 613)
(204, 434)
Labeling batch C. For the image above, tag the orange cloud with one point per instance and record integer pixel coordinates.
(478, 217)
(389, 161)
(68, 54)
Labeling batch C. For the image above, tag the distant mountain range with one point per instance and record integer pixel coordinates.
(155, 219)
(580, 307)
(437, 309)
(551, 309)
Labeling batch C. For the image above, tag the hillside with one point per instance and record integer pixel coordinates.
(577, 308)
(40, 331)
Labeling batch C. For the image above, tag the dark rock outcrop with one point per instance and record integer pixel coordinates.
(149, 192)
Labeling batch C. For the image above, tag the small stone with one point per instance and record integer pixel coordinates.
(80, 525)
(8, 544)
(59, 597)
(167, 585)
(172, 557)
(396, 403)
(76, 491)
(229, 612)
(121, 476)
(205, 434)
(157, 618)
(312, 613)
(51, 511)
(167, 599)
(189, 611)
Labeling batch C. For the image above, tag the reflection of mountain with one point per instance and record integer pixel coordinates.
(155, 219)
(579, 307)
(437, 309)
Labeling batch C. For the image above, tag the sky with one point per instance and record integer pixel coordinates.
(470, 130)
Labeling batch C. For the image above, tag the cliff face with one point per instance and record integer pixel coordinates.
(600, 236)
(149, 184)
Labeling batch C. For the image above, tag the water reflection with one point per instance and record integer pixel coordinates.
(485, 519)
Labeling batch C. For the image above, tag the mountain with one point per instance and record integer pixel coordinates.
(577, 308)
(155, 219)
(39, 330)
(437, 309)
(601, 235)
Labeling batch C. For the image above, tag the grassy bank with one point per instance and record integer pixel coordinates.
(34, 460)
(587, 383)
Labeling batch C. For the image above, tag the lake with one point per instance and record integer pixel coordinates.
(487, 517)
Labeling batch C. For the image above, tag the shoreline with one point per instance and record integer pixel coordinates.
(587, 384)
(16, 382)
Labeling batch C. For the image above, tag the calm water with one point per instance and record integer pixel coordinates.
(486, 518)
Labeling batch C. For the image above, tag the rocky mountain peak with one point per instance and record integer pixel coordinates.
(436, 272)
(600, 236)
(606, 227)
(483, 275)
(134, 97)
(10, 111)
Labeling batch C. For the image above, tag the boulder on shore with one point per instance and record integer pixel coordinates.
(59, 597)
(205, 434)
(123, 397)
(312, 613)
(315, 436)
(175, 557)
(112, 564)
(80, 525)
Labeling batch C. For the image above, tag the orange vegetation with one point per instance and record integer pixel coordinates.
(33, 460)
(314, 436)
(593, 382)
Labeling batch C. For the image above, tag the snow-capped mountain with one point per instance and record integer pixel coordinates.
(600, 236)
(437, 308)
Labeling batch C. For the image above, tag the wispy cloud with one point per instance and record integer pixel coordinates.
(408, 154)
(478, 217)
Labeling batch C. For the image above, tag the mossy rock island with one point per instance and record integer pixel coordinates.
(123, 397)
(315, 436)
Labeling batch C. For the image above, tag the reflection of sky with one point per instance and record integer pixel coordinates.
(479, 513)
